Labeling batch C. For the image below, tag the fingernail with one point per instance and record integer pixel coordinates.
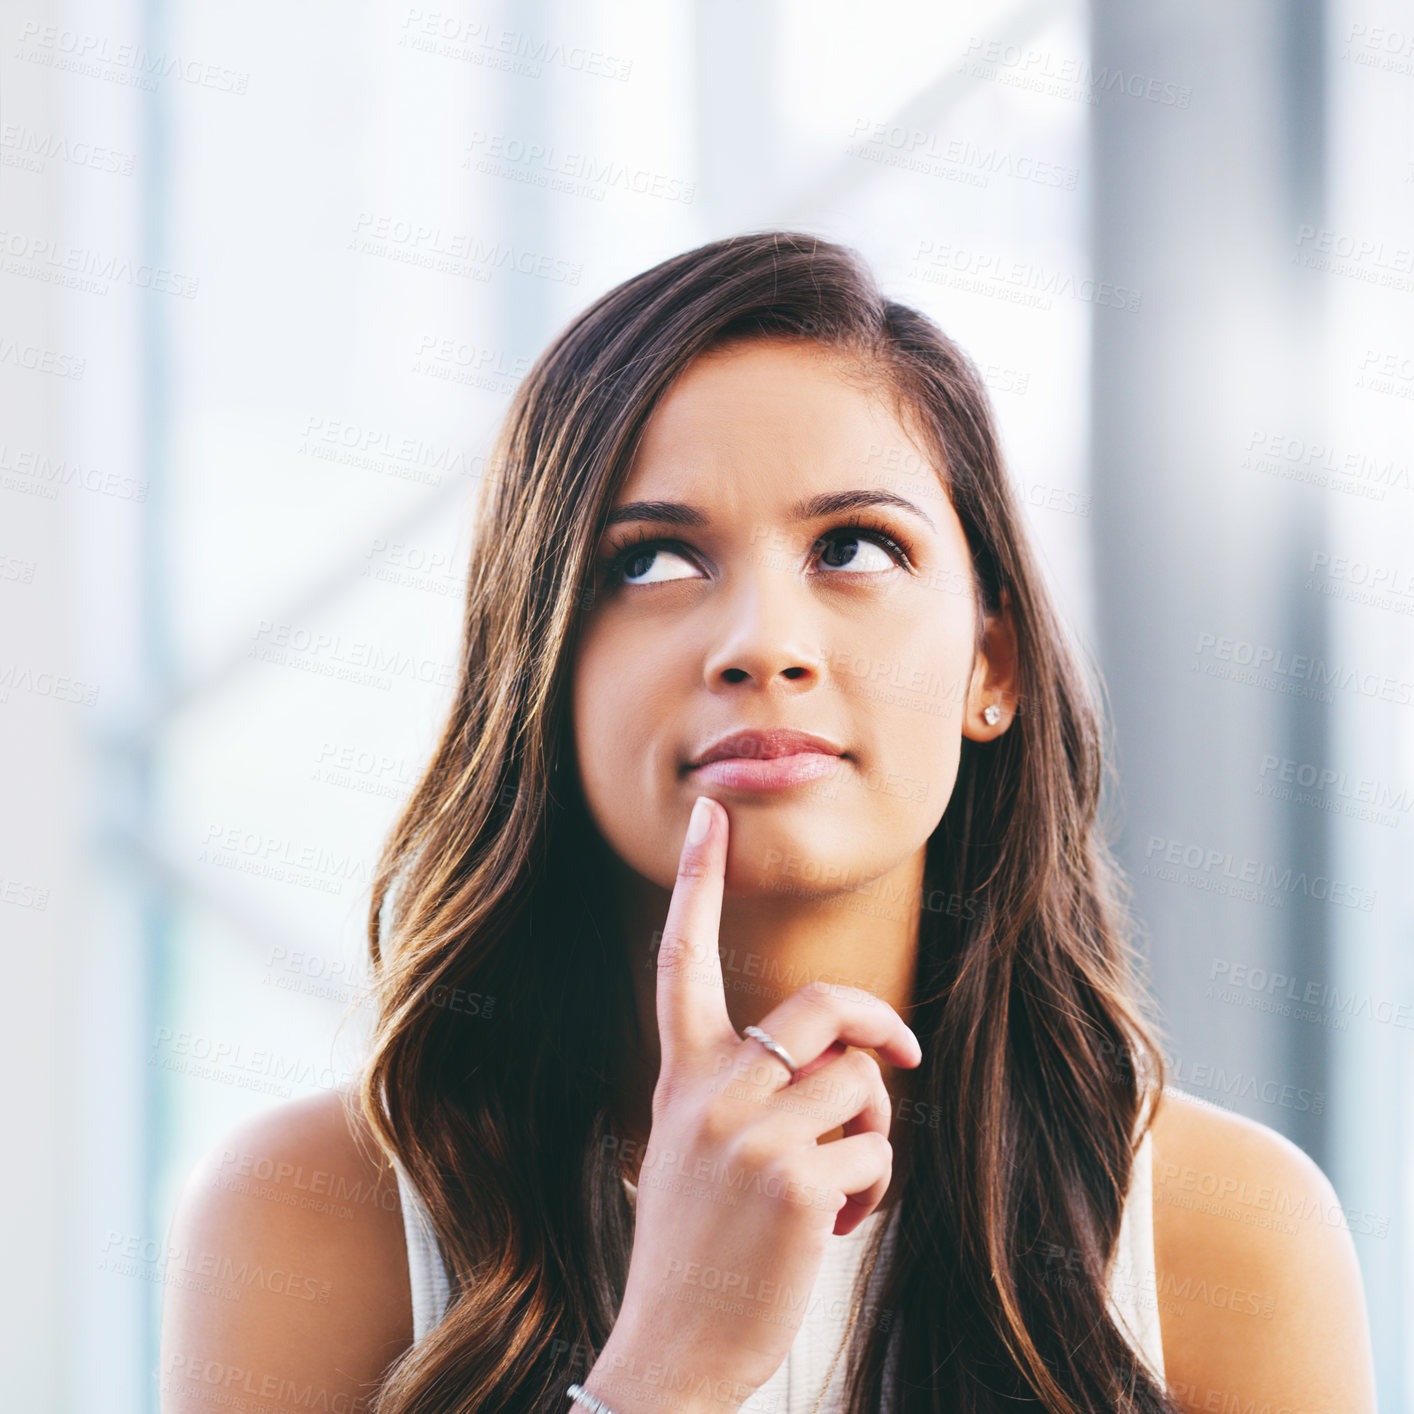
(700, 821)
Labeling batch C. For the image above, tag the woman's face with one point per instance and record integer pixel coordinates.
(741, 615)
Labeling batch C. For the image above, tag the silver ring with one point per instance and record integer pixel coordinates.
(775, 1047)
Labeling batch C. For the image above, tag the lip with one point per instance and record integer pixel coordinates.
(770, 759)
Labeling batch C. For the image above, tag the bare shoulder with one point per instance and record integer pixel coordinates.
(293, 1264)
(1260, 1298)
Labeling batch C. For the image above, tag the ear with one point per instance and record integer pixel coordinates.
(993, 677)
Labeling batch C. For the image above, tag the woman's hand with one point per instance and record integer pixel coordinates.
(736, 1198)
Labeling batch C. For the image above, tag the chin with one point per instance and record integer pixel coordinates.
(787, 855)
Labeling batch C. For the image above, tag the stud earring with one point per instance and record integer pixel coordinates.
(991, 714)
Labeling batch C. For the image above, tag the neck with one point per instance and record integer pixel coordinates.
(770, 946)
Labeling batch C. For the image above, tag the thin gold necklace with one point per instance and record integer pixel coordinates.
(849, 1327)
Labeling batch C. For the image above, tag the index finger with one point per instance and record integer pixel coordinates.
(691, 998)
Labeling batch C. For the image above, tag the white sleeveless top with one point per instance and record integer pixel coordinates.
(795, 1386)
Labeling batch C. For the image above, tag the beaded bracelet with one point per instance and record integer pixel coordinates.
(582, 1396)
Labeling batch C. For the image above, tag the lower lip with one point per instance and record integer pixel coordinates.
(756, 773)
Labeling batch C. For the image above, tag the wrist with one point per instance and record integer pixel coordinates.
(637, 1378)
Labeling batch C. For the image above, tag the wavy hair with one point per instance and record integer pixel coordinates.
(1036, 1035)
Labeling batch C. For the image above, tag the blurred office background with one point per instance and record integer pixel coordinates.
(268, 276)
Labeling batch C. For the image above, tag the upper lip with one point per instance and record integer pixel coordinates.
(765, 745)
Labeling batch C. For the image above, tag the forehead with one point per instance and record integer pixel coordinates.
(770, 417)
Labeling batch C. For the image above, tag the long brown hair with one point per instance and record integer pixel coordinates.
(1036, 1035)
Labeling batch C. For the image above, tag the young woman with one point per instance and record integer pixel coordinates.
(842, 1098)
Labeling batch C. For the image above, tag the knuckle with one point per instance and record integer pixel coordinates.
(857, 996)
(791, 1176)
(755, 1152)
(674, 942)
(819, 995)
(848, 994)
(676, 952)
(864, 1078)
(716, 1127)
(851, 1083)
(667, 1091)
(858, 1094)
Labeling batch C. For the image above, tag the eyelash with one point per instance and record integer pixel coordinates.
(621, 552)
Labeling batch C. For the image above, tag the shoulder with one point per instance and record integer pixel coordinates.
(1259, 1290)
(293, 1264)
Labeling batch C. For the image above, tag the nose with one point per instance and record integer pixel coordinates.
(764, 637)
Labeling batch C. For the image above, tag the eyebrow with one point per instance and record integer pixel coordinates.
(828, 503)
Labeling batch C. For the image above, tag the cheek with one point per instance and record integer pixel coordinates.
(619, 712)
(598, 715)
(907, 689)
(907, 772)
(914, 661)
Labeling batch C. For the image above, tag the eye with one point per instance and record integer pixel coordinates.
(638, 557)
(645, 561)
(841, 549)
